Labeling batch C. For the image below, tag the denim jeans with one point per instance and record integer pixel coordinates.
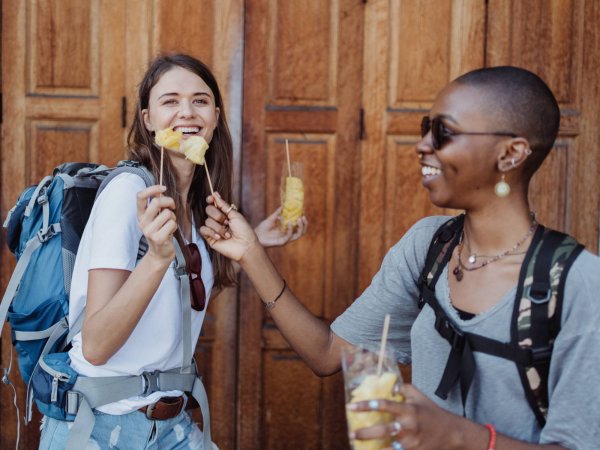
(133, 431)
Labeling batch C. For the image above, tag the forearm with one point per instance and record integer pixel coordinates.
(308, 335)
(117, 304)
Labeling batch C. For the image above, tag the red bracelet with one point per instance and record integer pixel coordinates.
(492, 444)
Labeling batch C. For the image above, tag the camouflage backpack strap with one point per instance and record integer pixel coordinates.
(537, 312)
(444, 240)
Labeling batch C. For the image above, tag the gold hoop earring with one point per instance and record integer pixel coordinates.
(502, 188)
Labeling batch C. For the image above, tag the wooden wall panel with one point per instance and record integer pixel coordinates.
(58, 141)
(63, 35)
(185, 26)
(418, 76)
(292, 405)
(302, 52)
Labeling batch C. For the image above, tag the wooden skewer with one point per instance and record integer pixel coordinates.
(162, 155)
(386, 326)
(212, 192)
(287, 152)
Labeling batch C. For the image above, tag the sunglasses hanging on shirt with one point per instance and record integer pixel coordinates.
(194, 270)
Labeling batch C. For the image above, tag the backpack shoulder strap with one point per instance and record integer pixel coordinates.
(538, 308)
(443, 242)
(126, 166)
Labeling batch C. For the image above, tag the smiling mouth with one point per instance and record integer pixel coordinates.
(188, 130)
(428, 171)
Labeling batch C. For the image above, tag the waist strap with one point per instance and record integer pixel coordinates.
(91, 392)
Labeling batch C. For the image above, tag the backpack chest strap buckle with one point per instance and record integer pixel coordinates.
(151, 382)
(450, 332)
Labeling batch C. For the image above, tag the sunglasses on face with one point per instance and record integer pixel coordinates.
(440, 133)
(194, 269)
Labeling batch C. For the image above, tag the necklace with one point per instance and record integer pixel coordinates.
(458, 271)
(472, 258)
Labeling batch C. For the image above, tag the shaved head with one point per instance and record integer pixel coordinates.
(519, 102)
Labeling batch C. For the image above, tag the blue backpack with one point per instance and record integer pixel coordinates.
(43, 231)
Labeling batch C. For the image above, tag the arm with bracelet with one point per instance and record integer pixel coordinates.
(295, 322)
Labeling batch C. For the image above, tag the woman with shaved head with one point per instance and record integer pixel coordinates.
(497, 314)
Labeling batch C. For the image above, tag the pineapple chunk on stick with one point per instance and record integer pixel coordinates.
(168, 138)
(194, 149)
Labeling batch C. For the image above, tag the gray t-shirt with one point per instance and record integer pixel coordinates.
(496, 394)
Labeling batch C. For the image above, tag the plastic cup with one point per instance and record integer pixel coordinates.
(362, 382)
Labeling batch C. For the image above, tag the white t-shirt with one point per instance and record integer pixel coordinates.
(110, 241)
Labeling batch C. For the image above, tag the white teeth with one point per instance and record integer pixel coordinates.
(429, 171)
(188, 129)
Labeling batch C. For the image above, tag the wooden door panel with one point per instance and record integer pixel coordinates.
(302, 52)
(302, 83)
(52, 142)
(292, 402)
(53, 55)
(186, 26)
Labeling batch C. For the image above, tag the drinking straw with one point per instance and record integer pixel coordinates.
(287, 152)
(386, 326)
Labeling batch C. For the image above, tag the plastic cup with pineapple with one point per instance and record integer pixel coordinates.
(362, 382)
(292, 195)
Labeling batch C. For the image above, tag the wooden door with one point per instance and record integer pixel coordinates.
(70, 72)
(411, 49)
(63, 84)
(302, 83)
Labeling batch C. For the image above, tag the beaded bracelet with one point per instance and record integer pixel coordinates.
(270, 305)
(492, 444)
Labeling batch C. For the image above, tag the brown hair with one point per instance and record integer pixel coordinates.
(219, 158)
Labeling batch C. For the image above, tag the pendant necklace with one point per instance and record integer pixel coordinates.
(459, 270)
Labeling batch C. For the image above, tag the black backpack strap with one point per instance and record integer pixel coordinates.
(537, 312)
(536, 319)
(440, 250)
(461, 363)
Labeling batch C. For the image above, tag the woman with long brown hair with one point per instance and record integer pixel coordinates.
(134, 308)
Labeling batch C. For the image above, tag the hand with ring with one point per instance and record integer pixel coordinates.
(226, 230)
(417, 423)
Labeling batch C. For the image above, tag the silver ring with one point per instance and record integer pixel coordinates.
(232, 207)
(397, 445)
(373, 404)
(396, 427)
